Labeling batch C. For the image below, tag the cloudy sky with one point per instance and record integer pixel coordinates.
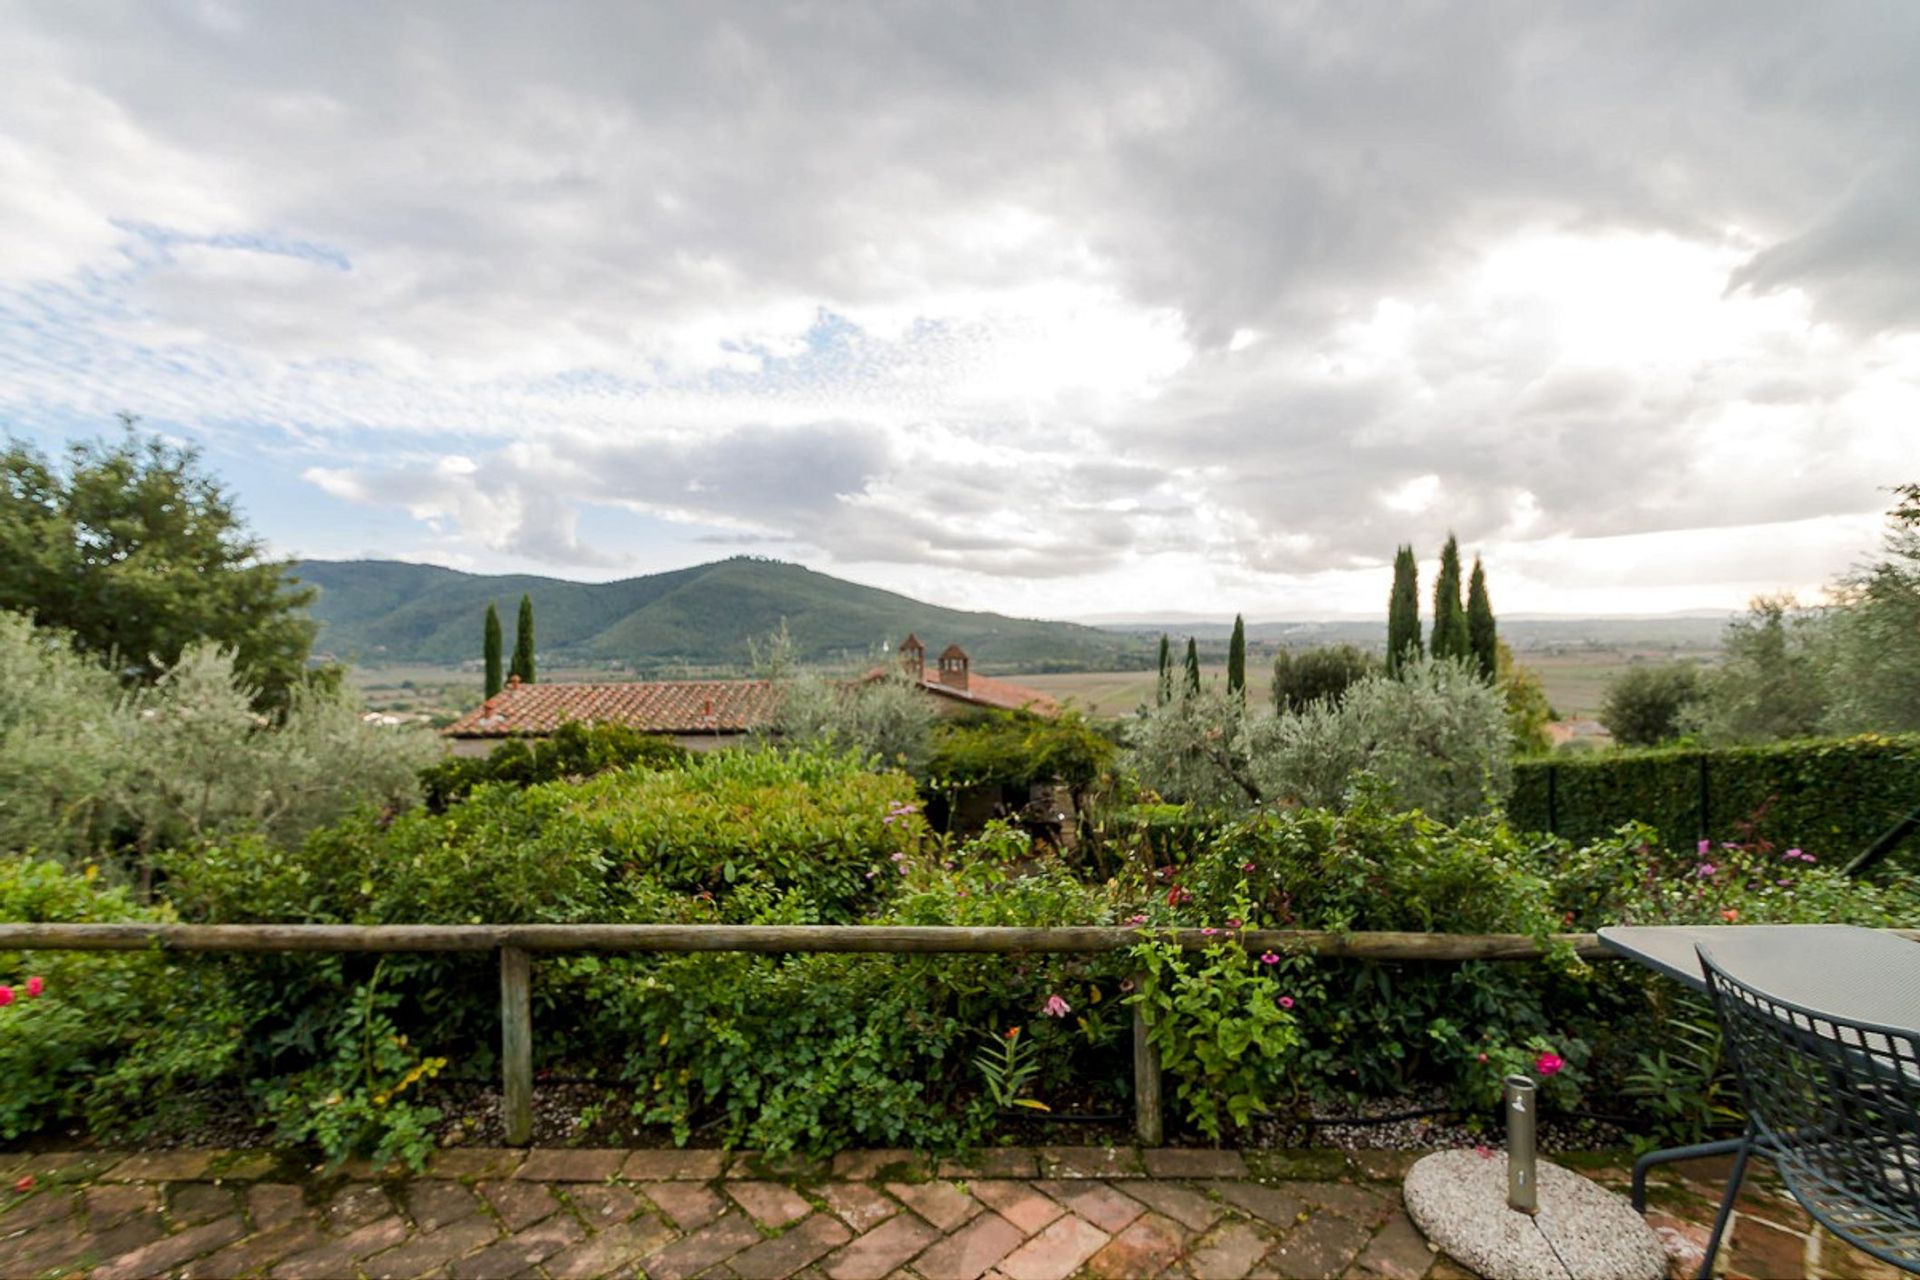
(1058, 309)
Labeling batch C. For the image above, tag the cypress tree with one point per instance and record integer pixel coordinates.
(1450, 639)
(1193, 669)
(1481, 632)
(1237, 659)
(491, 648)
(1403, 611)
(1163, 692)
(523, 643)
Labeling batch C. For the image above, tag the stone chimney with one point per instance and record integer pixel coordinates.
(913, 657)
(953, 667)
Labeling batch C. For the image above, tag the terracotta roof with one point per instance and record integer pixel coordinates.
(660, 706)
(953, 651)
(983, 691)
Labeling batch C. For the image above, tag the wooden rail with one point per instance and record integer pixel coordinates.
(515, 942)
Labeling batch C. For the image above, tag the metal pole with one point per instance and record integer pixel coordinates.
(1522, 1189)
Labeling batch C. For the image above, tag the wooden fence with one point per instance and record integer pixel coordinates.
(516, 943)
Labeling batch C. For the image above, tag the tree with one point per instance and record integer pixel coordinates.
(1302, 679)
(1403, 612)
(1771, 684)
(1163, 692)
(1643, 706)
(523, 642)
(1450, 638)
(1193, 669)
(490, 646)
(1237, 659)
(1872, 654)
(133, 551)
(1482, 635)
(1528, 710)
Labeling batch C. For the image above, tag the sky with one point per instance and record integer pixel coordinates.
(1061, 310)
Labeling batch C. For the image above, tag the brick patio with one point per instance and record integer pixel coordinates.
(1017, 1214)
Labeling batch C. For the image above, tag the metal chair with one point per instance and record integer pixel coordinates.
(1835, 1105)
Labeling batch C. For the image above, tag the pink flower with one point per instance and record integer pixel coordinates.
(1549, 1063)
(25, 1184)
(872, 874)
(903, 871)
(1246, 866)
(1177, 895)
(1484, 1152)
(898, 857)
(1139, 919)
(1285, 1002)
(6, 995)
(1057, 1008)
(1705, 869)
(1233, 924)
(1704, 847)
(1483, 1057)
(1268, 957)
(1730, 915)
(36, 984)
(1209, 931)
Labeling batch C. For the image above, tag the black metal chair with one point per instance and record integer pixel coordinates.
(1834, 1104)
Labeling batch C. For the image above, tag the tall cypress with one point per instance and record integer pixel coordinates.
(1481, 632)
(1163, 692)
(1237, 659)
(523, 643)
(1450, 638)
(1403, 612)
(1193, 669)
(491, 648)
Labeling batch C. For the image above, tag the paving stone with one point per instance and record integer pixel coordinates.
(1277, 1205)
(1057, 1252)
(604, 1206)
(520, 1252)
(712, 1244)
(432, 1248)
(1183, 1204)
(42, 1206)
(1398, 1251)
(881, 1251)
(71, 1166)
(1019, 1203)
(1102, 1205)
(110, 1204)
(128, 1234)
(1193, 1162)
(857, 1204)
(50, 1246)
(269, 1204)
(191, 1203)
(161, 1166)
(673, 1166)
(1760, 1249)
(474, 1162)
(1004, 1162)
(970, 1251)
(1362, 1204)
(610, 1250)
(880, 1165)
(519, 1204)
(433, 1203)
(164, 1255)
(758, 1165)
(1148, 1247)
(769, 1203)
(942, 1203)
(1091, 1162)
(549, 1165)
(1384, 1166)
(689, 1205)
(355, 1205)
(773, 1259)
(244, 1166)
(1320, 1249)
(1228, 1253)
(258, 1251)
(336, 1257)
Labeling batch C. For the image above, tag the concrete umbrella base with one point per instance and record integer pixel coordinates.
(1582, 1231)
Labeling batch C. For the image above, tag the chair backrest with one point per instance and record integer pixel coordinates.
(1837, 1106)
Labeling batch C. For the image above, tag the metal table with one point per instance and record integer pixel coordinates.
(1863, 975)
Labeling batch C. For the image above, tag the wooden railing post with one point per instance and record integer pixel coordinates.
(1149, 1125)
(516, 1045)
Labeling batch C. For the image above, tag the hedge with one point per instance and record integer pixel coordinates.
(1831, 797)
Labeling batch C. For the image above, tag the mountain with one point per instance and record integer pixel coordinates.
(386, 611)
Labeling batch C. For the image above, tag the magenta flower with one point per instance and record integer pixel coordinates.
(1549, 1063)
(1139, 919)
(1246, 866)
(1704, 847)
(36, 984)
(872, 874)
(1705, 869)
(1233, 924)
(1209, 931)
(6, 995)
(1056, 1007)
(1285, 1002)
(1267, 957)
(898, 857)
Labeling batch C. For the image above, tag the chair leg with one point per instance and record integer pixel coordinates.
(1726, 1206)
(1724, 1146)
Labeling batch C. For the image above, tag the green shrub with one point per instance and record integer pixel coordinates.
(1831, 797)
(1643, 705)
(1011, 749)
(574, 751)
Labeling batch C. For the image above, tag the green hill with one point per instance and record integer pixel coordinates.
(384, 611)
